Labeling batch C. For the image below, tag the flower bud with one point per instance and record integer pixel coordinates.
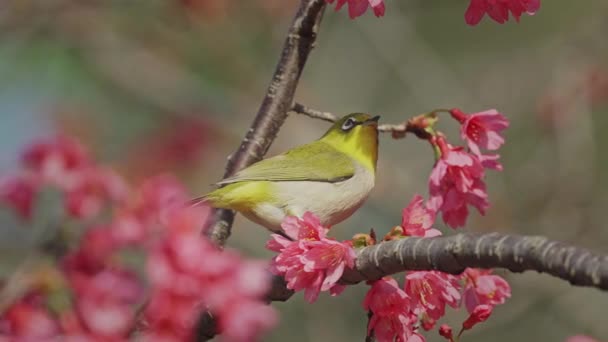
(479, 314)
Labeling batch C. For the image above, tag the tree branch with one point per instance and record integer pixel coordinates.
(276, 104)
(397, 130)
(452, 254)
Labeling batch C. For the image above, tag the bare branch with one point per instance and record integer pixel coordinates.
(452, 254)
(277, 102)
(313, 113)
(397, 130)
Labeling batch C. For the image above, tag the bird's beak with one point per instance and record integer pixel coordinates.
(372, 121)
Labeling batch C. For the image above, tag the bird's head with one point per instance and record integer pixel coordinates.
(356, 135)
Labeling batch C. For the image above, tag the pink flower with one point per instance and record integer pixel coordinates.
(19, 192)
(56, 160)
(482, 287)
(306, 228)
(481, 130)
(455, 182)
(92, 188)
(356, 8)
(187, 273)
(157, 196)
(445, 331)
(390, 308)
(430, 291)
(310, 261)
(490, 161)
(183, 286)
(28, 320)
(246, 319)
(479, 314)
(499, 10)
(108, 319)
(417, 219)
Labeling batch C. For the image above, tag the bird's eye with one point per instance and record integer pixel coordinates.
(348, 124)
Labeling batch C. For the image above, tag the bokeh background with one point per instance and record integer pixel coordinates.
(172, 85)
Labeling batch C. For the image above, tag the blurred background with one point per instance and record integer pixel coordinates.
(157, 86)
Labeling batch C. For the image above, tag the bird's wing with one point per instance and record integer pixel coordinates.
(317, 161)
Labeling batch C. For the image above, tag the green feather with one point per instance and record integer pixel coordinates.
(317, 161)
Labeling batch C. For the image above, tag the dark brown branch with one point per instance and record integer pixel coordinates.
(277, 102)
(454, 253)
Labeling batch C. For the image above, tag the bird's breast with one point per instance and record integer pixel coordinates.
(331, 202)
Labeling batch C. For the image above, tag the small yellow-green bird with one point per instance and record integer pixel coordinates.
(330, 177)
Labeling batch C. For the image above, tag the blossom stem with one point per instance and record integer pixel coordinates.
(420, 125)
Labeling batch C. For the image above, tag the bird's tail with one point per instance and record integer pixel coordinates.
(196, 201)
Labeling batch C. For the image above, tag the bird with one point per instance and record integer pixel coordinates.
(330, 177)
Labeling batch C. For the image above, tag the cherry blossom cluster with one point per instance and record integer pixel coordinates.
(498, 10)
(425, 294)
(457, 180)
(312, 262)
(308, 259)
(63, 164)
(89, 292)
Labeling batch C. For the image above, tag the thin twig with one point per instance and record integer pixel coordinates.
(369, 334)
(397, 130)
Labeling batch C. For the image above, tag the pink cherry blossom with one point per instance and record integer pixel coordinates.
(481, 130)
(28, 320)
(182, 285)
(19, 192)
(455, 182)
(390, 308)
(91, 189)
(187, 274)
(430, 291)
(417, 219)
(483, 287)
(157, 196)
(499, 10)
(357, 8)
(479, 314)
(490, 161)
(243, 320)
(445, 331)
(56, 160)
(310, 261)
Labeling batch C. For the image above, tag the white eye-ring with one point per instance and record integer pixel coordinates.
(348, 124)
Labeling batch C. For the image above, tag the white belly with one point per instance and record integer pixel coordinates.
(331, 202)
